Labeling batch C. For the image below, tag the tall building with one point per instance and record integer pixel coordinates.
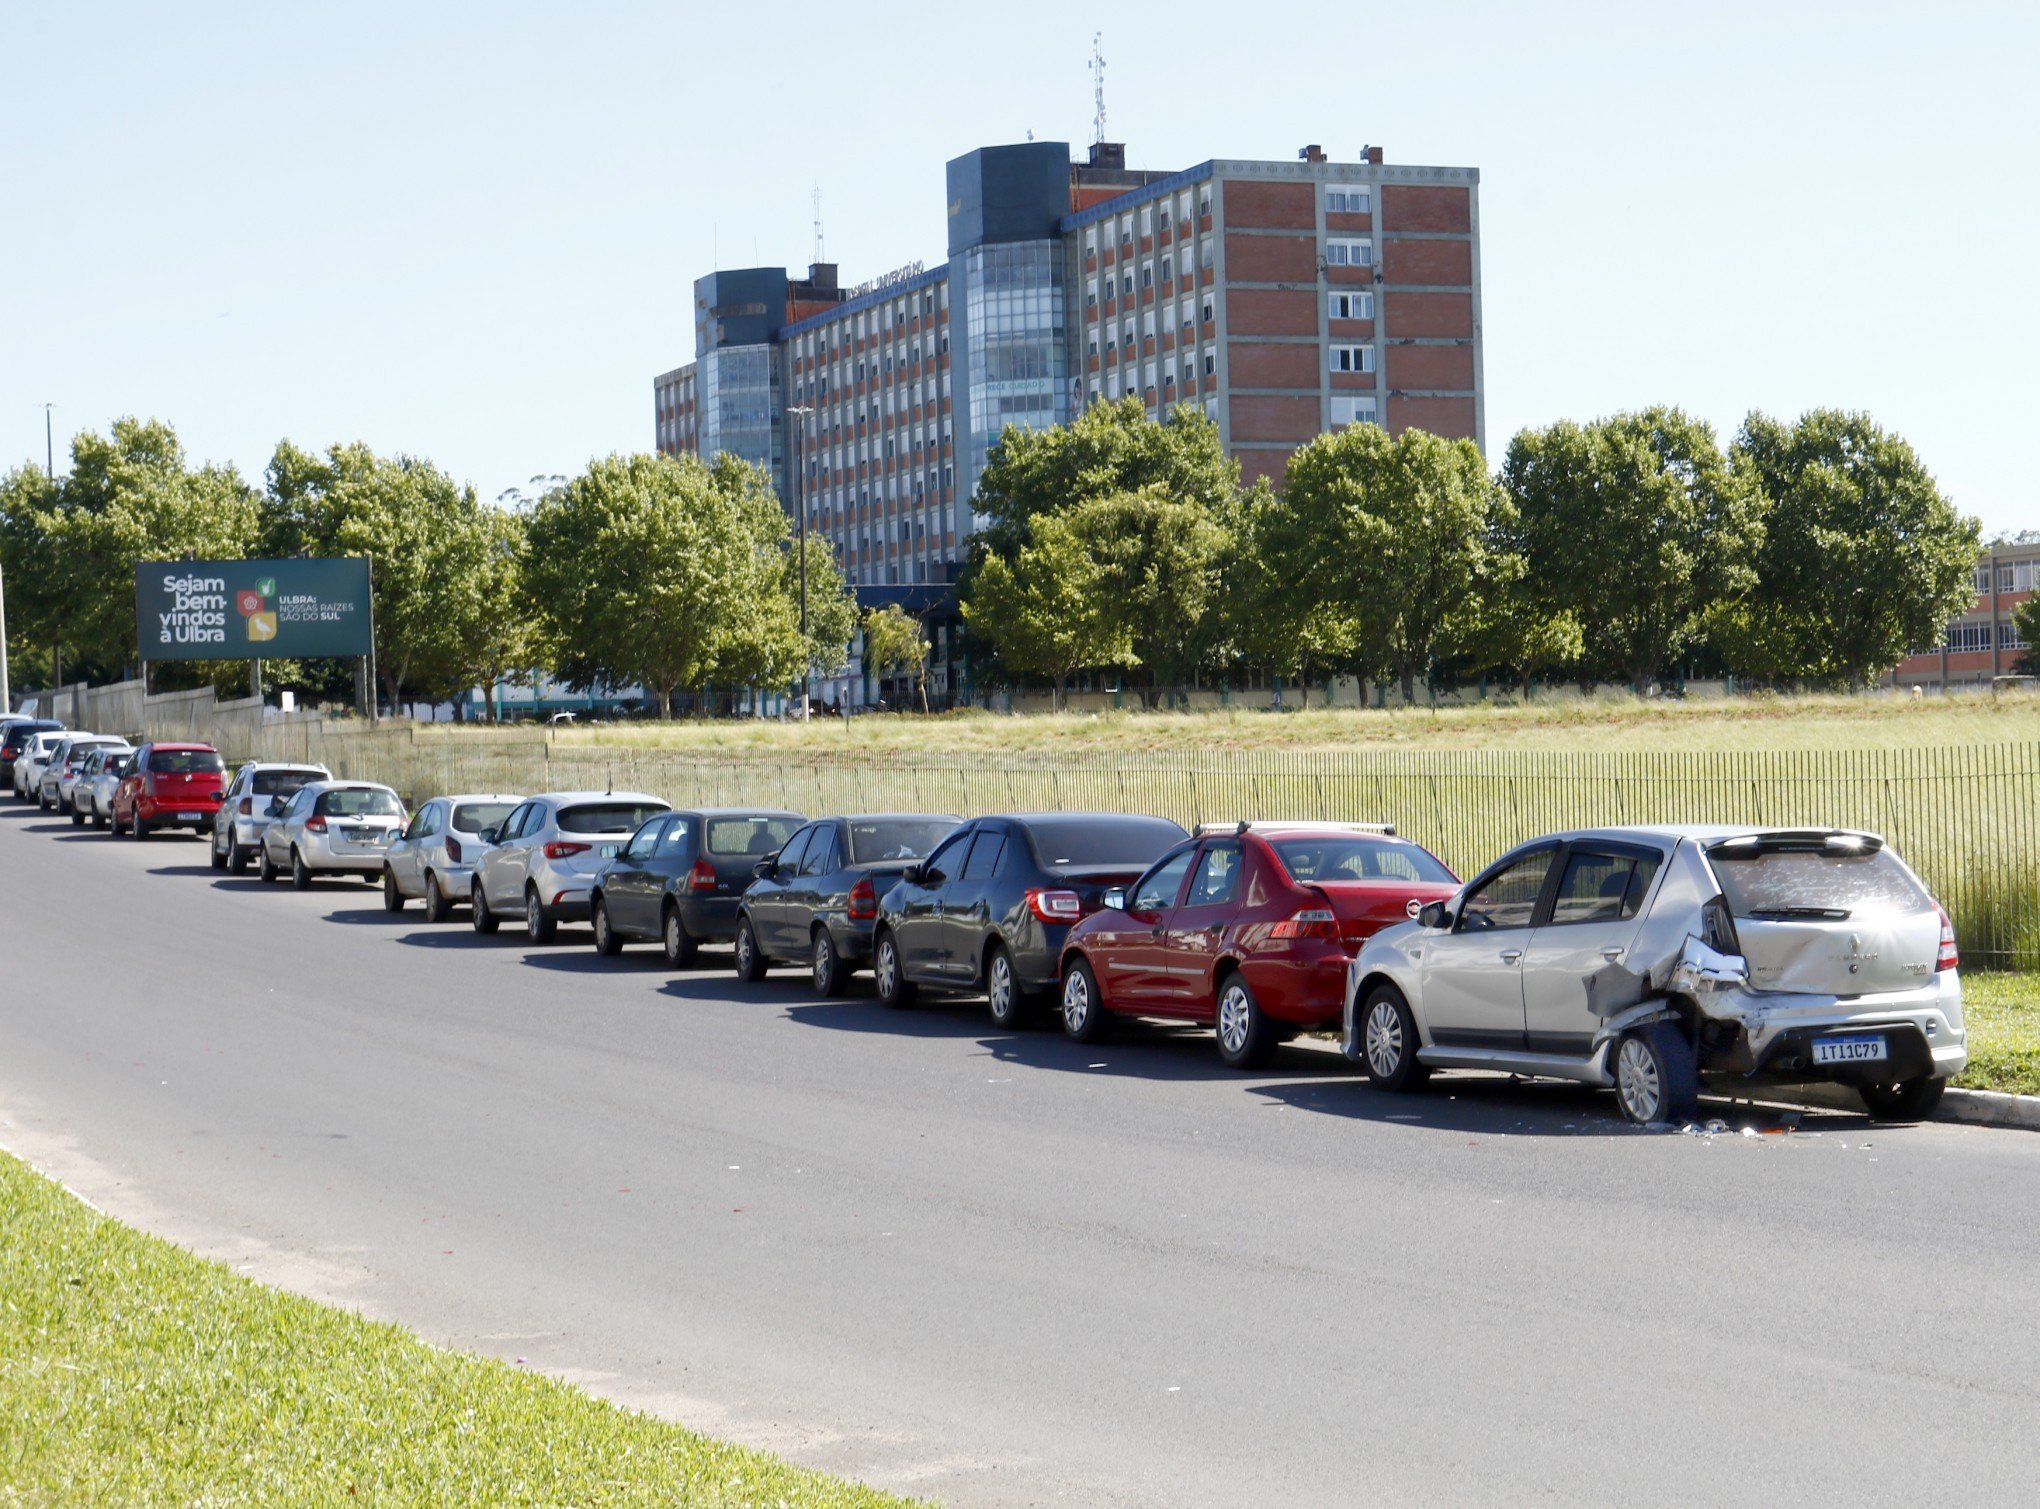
(1283, 298)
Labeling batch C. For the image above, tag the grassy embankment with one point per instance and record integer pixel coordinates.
(132, 1372)
(2003, 1016)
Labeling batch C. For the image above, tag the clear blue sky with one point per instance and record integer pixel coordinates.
(469, 231)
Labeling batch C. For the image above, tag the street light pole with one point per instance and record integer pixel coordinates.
(800, 418)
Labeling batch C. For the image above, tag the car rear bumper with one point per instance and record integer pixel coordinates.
(567, 905)
(711, 919)
(322, 857)
(1770, 1037)
(195, 815)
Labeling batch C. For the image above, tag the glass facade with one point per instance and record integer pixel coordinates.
(740, 408)
(1013, 308)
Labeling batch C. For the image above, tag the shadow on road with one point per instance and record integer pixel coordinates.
(204, 871)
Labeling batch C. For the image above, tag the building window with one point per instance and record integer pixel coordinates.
(1349, 199)
(1208, 311)
(1211, 364)
(1147, 220)
(1204, 203)
(1147, 275)
(2008, 636)
(1352, 358)
(1963, 637)
(1147, 325)
(1349, 253)
(1091, 294)
(1352, 306)
(1350, 409)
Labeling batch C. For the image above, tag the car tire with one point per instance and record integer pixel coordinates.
(680, 946)
(77, 817)
(750, 962)
(300, 872)
(607, 943)
(894, 988)
(1907, 1100)
(99, 820)
(832, 975)
(265, 870)
(538, 927)
(483, 920)
(138, 827)
(1081, 1008)
(392, 893)
(237, 857)
(1657, 1078)
(1004, 999)
(1389, 1041)
(436, 904)
(1247, 1039)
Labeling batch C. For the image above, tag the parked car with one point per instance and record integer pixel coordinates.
(990, 909)
(259, 787)
(815, 902)
(331, 828)
(35, 754)
(678, 879)
(71, 773)
(433, 859)
(1249, 927)
(1644, 958)
(101, 777)
(169, 786)
(16, 732)
(60, 773)
(542, 860)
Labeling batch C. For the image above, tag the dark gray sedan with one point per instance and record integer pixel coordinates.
(816, 900)
(677, 880)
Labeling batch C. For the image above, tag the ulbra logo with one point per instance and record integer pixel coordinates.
(253, 605)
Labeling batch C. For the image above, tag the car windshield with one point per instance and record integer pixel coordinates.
(734, 837)
(185, 761)
(284, 782)
(1339, 858)
(900, 838)
(358, 801)
(1816, 880)
(472, 817)
(1079, 841)
(607, 817)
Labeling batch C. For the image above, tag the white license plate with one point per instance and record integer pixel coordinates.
(191, 817)
(1848, 1050)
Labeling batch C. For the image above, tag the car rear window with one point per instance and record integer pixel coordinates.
(905, 839)
(184, 761)
(734, 837)
(1814, 880)
(1079, 841)
(472, 817)
(607, 817)
(284, 782)
(1340, 857)
(358, 801)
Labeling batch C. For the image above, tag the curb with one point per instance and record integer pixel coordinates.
(1990, 1108)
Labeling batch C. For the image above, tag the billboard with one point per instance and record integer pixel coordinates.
(253, 610)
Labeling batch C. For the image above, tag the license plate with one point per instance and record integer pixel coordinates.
(1848, 1050)
(191, 817)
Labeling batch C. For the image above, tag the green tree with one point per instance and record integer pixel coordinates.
(494, 634)
(1391, 545)
(2026, 619)
(1047, 611)
(1638, 526)
(34, 585)
(1269, 623)
(1863, 559)
(1162, 558)
(896, 645)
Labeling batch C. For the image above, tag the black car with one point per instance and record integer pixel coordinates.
(988, 911)
(817, 899)
(678, 878)
(19, 732)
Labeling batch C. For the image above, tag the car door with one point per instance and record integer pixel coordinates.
(1471, 978)
(917, 923)
(967, 905)
(767, 895)
(628, 887)
(1136, 965)
(805, 897)
(501, 870)
(276, 836)
(1194, 931)
(1576, 967)
(230, 807)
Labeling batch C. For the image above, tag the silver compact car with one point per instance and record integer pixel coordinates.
(66, 764)
(331, 828)
(433, 859)
(1649, 958)
(541, 862)
(92, 796)
(35, 759)
(259, 787)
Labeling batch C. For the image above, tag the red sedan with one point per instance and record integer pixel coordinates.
(1249, 928)
(169, 786)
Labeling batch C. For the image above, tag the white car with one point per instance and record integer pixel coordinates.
(259, 787)
(28, 769)
(60, 774)
(434, 858)
(541, 862)
(332, 828)
(92, 796)
(1644, 958)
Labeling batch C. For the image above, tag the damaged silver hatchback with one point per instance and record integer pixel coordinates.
(1646, 959)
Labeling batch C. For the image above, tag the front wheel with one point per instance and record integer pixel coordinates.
(138, 826)
(436, 904)
(1389, 1041)
(606, 942)
(894, 988)
(680, 946)
(538, 927)
(831, 973)
(392, 893)
(485, 921)
(1907, 1100)
(1656, 1076)
(1002, 991)
(214, 856)
(750, 963)
(300, 872)
(1083, 1013)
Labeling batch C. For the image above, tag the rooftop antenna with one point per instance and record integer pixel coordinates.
(1098, 86)
(819, 258)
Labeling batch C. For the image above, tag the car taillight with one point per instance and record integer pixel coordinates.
(558, 850)
(453, 848)
(1055, 906)
(701, 877)
(247, 806)
(1310, 922)
(863, 901)
(1947, 958)
(315, 825)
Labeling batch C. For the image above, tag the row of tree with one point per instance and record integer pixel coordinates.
(1819, 552)
(668, 574)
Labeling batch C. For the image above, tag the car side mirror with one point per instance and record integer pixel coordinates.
(928, 875)
(1432, 916)
(488, 835)
(767, 867)
(1114, 900)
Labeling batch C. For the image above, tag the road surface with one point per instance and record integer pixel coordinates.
(1007, 1270)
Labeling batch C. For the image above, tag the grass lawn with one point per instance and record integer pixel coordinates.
(2003, 1015)
(132, 1372)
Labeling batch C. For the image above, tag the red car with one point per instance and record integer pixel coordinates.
(1249, 928)
(169, 786)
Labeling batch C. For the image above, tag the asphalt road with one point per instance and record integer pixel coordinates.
(1001, 1269)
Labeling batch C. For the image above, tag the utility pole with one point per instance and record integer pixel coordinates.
(49, 442)
(800, 418)
(6, 691)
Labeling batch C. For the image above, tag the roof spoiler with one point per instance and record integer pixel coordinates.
(1827, 840)
(1203, 830)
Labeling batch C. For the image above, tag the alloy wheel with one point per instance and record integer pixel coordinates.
(999, 987)
(1235, 1018)
(1076, 1001)
(825, 961)
(887, 967)
(1384, 1039)
(1637, 1081)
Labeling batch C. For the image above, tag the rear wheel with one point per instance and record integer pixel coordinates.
(831, 974)
(78, 820)
(606, 941)
(392, 893)
(1389, 1041)
(436, 904)
(750, 963)
(538, 927)
(1907, 1100)
(98, 819)
(1656, 1077)
(237, 856)
(484, 920)
(300, 872)
(894, 988)
(679, 945)
(267, 869)
(1246, 1038)
(1084, 1018)
(138, 825)
(1003, 996)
